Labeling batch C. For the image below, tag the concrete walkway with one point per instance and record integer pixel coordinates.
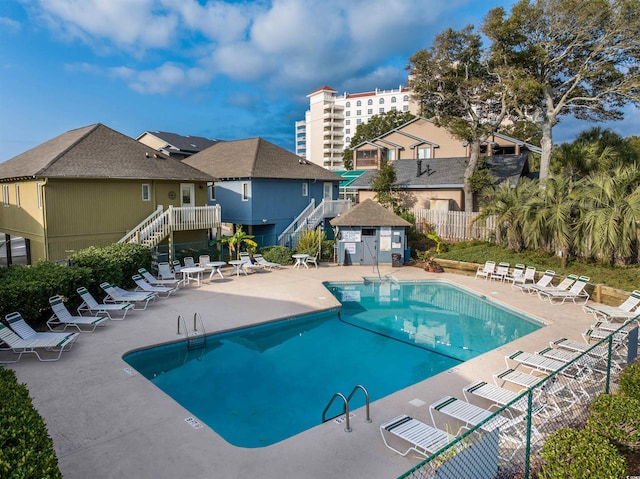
(108, 423)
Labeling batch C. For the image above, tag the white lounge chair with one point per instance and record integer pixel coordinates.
(519, 378)
(468, 414)
(19, 326)
(487, 270)
(267, 264)
(543, 282)
(248, 264)
(534, 362)
(501, 272)
(19, 346)
(62, 317)
(118, 295)
(91, 306)
(627, 310)
(516, 273)
(576, 292)
(167, 277)
(177, 267)
(161, 291)
(498, 396)
(528, 277)
(424, 439)
(564, 285)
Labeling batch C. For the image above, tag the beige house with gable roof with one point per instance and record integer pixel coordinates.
(90, 187)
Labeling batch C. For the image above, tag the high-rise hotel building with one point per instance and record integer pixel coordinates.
(331, 121)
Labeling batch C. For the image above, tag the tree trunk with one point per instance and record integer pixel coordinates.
(547, 147)
(474, 154)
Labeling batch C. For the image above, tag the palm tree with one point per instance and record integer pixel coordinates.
(236, 241)
(505, 203)
(550, 216)
(610, 215)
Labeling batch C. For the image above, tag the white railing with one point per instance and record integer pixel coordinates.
(454, 225)
(160, 224)
(284, 236)
(326, 209)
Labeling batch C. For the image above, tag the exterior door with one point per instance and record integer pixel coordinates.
(369, 250)
(187, 194)
(327, 191)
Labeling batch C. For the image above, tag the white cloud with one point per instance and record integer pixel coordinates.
(9, 24)
(280, 44)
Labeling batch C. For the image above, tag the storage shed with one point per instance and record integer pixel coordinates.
(370, 234)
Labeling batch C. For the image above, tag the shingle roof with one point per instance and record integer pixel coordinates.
(256, 158)
(447, 172)
(189, 144)
(97, 151)
(369, 213)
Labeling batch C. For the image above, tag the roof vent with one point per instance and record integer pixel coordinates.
(146, 153)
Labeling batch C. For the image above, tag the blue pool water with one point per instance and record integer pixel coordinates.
(259, 385)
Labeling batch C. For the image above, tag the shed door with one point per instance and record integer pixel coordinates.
(369, 247)
(327, 191)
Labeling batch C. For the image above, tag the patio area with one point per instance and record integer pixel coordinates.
(106, 421)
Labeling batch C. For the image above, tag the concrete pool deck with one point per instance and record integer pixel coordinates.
(107, 422)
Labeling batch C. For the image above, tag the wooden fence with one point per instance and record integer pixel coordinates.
(454, 225)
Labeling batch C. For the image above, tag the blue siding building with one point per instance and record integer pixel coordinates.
(262, 186)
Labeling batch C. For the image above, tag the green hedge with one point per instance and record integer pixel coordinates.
(580, 454)
(616, 418)
(28, 289)
(630, 380)
(26, 450)
(277, 254)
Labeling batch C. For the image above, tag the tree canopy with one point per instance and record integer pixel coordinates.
(567, 57)
(376, 126)
(459, 89)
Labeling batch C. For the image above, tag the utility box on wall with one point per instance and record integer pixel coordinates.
(370, 234)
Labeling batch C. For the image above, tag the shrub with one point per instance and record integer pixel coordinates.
(26, 450)
(616, 418)
(580, 454)
(115, 263)
(309, 241)
(27, 289)
(277, 254)
(328, 250)
(630, 380)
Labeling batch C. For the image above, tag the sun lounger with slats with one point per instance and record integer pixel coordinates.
(19, 346)
(575, 292)
(626, 310)
(487, 270)
(167, 279)
(118, 295)
(161, 291)
(534, 362)
(543, 282)
(62, 317)
(91, 306)
(424, 439)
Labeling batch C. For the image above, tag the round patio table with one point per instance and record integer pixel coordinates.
(215, 268)
(300, 260)
(192, 273)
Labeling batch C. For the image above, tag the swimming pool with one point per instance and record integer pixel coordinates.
(259, 385)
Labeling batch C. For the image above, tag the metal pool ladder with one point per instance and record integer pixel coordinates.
(196, 339)
(345, 409)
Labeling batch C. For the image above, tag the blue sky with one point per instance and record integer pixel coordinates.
(219, 69)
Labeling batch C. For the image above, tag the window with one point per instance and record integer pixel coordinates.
(5, 195)
(348, 104)
(405, 98)
(146, 192)
(358, 103)
(39, 194)
(347, 122)
(358, 121)
(390, 155)
(347, 131)
(348, 140)
(245, 191)
(405, 108)
(424, 152)
(381, 101)
(358, 112)
(348, 113)
(393, 99)
(305, 189)
(369, 101)
(393, 108)
(211, 187)
(17, 195)
(380, 110)
(370, 111)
